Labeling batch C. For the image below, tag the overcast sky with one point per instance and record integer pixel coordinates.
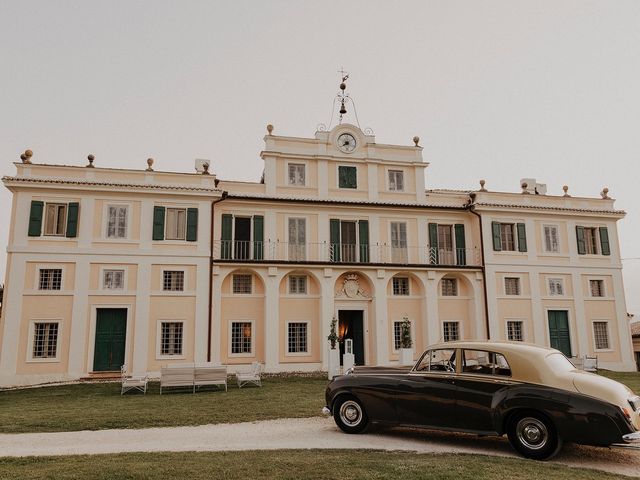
(499, 90)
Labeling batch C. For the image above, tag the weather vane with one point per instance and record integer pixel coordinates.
(341, 95)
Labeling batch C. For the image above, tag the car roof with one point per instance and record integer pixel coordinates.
(503, 346)
(527, 360)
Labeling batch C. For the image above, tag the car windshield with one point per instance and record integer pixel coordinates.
(443, 360)
(559, 363)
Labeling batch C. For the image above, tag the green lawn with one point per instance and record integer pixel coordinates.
(97, 406)
(289, 464)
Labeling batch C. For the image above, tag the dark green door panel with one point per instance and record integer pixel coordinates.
(111, 334)
(559, 331)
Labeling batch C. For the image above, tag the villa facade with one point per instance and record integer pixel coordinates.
(111, 266)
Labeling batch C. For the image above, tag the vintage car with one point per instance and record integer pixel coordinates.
(533, 394)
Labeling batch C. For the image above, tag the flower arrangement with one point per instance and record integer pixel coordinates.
(333, 334)
(405, 333)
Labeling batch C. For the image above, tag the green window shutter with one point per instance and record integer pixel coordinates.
(582, 245)
(258, 237)
(72, 219)
(192, 224)
(363, 227)
(522, 237)
(347, 177)
(461, 252)
(334, 238)
(225, 238)
(604, 241)
(433, 243)
(495, 230)
(158, 223)
(35, 218)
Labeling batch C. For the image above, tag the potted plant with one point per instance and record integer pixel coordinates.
(406, 344)
(334, 352)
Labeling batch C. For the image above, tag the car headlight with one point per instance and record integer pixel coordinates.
(635, 403)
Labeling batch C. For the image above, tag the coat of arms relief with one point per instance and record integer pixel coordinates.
(351, 288)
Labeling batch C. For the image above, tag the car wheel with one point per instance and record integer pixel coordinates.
(349, 414)
(534, 436)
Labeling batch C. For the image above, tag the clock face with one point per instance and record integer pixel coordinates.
(346, 142)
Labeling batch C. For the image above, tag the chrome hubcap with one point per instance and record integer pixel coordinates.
(350, 413)
(532, 433)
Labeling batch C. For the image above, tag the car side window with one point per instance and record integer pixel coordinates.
(443, 360)
(481, 362)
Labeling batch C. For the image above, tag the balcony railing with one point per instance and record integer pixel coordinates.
(343, 253)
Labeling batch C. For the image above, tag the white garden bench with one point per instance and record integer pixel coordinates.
(193, 375)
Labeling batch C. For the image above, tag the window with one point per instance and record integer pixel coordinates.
(397, 335)
(55, 219)
(514, 331)
(298, 284)
(445, 244)
(591, 240)
(347, 177)
(597, 288)
(509, 236)
(556, 287)
(297, 239)
(117, 221)
(176, 224)
(396, 180)
(297, 337)
(173, 280)
(551, 241)
(240, 337)
(512, 286)
(399, 242)
(296, 174)
(50, 279)
(242, 283)
(450, 331)
(479, 362)
(113, 279)
(400, 285)
(438, 361)
(45, 339)
(601, 335)
(507, 239)
(449, 287)
(171, 338)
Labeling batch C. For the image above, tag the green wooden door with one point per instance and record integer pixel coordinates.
(111, 333)
(559, 331)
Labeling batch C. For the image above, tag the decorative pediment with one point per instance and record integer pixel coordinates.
(351, 289)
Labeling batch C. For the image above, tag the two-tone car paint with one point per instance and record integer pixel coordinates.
(584, 408)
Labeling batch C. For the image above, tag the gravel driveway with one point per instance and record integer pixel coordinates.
(294, 433)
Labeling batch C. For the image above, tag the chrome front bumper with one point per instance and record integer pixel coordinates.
(326, 411)
(632, 437)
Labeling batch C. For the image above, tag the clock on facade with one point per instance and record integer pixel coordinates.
(346, 142)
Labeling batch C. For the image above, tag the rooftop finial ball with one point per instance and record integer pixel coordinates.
(91, 158)
(416, 139)
(149, 161)
(23, 157)
(269, 128)
(28, 153)
(343, 86)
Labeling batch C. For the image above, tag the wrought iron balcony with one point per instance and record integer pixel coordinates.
(326, 252)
